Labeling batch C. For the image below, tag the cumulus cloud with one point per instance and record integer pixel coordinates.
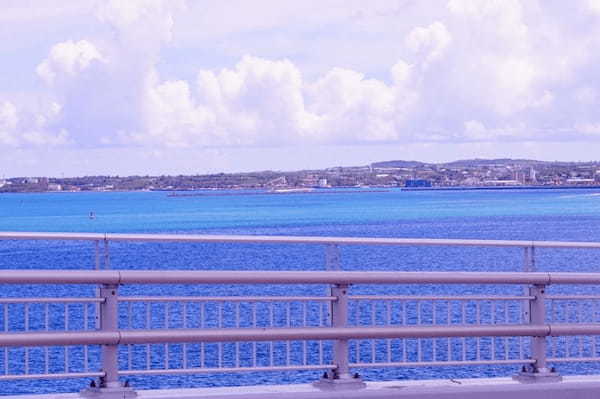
(430, 42)
(68, 58)
(266, 102)
(8, 123)
(21, 128)
(476, 70)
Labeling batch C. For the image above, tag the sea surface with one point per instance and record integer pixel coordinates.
(565, 215)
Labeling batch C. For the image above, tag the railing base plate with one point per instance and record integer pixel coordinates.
(108, 393)
(528, 377)
(339, 384)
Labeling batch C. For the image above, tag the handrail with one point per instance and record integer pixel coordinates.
(258, 239)
(115, 277)
(126, 337)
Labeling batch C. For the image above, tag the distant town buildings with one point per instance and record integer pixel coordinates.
(407, 174)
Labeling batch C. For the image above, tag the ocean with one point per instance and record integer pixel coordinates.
(564, 215)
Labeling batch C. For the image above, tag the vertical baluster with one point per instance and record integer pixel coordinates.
(594, 338)
(373, 311)
(493, 305)
(130, 315)
(85, 327)
(185, 326)
(130, 357)
(26, 329)
(404, 320)
(463, 321)
(46, 317)
(287, 343)
(46, 360)
(580, 320)
(448, 322)
(419, 343)
(220, 325)
(148, 305)
(202, 344)
(166, 346)
(254, 325)
(357, 322)
(26, 317)
(272, 343)
(552, 320)
(373, 350)
(521, 348)
(321, 315)
(320, 351)
(237, 344)
(434, 341)
(373, 323)
(389, 322)
(66, 358)
(220, 354)
(478, 321)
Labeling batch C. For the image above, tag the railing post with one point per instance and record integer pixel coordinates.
(340, 377)
(539, 371)
(109, 387)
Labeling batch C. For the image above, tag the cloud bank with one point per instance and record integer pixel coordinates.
(475, 71)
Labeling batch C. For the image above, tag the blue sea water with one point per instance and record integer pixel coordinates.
(566, 215)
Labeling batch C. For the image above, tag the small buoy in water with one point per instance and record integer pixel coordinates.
(92, 215)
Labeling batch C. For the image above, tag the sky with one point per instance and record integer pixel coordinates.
(117, 87)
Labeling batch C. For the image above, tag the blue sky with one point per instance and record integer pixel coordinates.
(175, 86)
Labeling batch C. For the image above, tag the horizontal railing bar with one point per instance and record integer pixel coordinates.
(45, 276)
(123, 337)
(564, 329)
(442, 363)
(572, 359)
(59, 338)
(437, 298)
(51, 300)
(270, 334)
(290, 240)
(48, 276)
(226, 298)
(46, 376)
(328, 333)
(570, 297)
(270, 277)
(226, 369)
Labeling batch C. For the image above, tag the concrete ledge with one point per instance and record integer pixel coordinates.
(573, 387)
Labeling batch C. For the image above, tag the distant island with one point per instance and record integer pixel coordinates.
(470, 173)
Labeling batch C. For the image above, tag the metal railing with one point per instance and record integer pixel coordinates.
(110, 335)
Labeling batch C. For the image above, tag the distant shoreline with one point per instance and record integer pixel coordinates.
(468, 188)
(225, 192)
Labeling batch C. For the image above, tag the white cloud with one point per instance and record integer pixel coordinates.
(389, 71)
(8, 123)
(140, 22)
(476, 131)
(594, 6)
(430, 42)
(591, 129)
(68, 58)
(22, 128)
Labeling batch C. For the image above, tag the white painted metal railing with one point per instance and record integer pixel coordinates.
(110, 335)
